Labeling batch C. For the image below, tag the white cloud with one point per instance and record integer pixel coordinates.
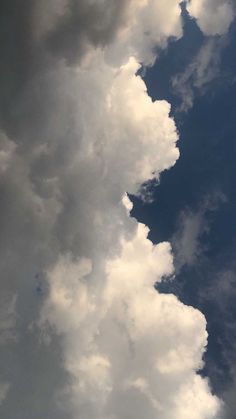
(153, 23)
(186, 239)
(125, 340)
(213, 16)
(191, 226)
(198, 75)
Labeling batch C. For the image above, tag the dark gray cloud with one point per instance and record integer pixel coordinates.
(36, 111)
(31, 33)
(85, 23)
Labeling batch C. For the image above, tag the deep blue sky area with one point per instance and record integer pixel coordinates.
(202, 184)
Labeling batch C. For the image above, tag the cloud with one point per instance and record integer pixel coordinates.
(214, 19)
(4, 387)
(78, 131)
(123, 341)
(229, 398)
(192, 224)
(124, 28)
(186, 240)
(196, 79)
(220, 292)
(213, 16)
(7, 319)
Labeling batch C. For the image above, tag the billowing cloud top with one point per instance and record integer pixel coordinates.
(85, 335)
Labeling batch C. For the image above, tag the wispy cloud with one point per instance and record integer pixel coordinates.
(200, 73)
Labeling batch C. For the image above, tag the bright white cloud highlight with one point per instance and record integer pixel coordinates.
(126, 345)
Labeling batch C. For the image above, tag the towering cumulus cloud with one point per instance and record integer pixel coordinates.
(83, 332)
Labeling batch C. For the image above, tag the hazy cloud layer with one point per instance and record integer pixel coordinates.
(87, 335)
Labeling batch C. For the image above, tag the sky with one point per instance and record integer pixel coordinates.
(117, 191)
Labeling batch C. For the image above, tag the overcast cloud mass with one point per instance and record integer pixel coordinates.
(84, 334)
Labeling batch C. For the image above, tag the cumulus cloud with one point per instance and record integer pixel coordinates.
(78, 130)
(213, 16)
(126, 339)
